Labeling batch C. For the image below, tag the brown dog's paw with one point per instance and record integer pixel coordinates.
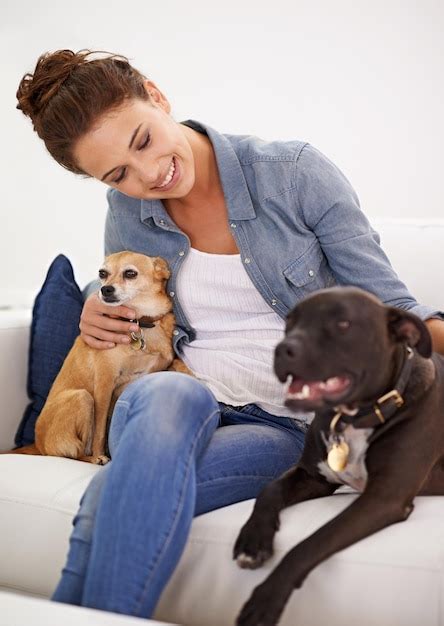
(100, 460)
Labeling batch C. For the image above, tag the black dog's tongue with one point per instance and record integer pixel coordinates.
(299, 389)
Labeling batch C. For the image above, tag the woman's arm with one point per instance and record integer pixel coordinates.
(329, 206)
(436, 328)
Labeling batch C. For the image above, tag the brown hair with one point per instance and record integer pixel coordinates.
(69, 91)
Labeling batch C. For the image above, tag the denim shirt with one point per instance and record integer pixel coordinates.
(294, 216)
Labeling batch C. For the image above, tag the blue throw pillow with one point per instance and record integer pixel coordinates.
(55, 325)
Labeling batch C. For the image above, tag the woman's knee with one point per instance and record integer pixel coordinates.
(164, 405)
(167, 390)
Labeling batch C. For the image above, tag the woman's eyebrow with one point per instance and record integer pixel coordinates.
(133, 137)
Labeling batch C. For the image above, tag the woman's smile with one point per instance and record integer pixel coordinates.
(171, 178)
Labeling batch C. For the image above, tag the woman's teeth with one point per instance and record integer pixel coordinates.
(169, 176)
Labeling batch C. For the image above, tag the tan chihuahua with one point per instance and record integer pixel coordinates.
(73, 422)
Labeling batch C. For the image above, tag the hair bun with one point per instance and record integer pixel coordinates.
(52, 70)
(69, 92)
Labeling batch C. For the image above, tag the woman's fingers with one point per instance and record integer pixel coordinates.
(97, 344)
(101, 331)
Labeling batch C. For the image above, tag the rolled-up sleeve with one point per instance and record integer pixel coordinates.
(330, 208)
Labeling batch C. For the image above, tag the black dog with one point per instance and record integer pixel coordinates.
(378, 392)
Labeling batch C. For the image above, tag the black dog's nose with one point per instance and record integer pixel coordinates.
(287, 357)
(287, 351)
(107, 290)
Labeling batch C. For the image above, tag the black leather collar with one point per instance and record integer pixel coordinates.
(384, 407)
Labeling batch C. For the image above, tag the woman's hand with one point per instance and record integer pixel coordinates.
(100, 331)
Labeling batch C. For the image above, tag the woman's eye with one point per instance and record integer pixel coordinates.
(145, 143)
(129, 274)
(121, 177)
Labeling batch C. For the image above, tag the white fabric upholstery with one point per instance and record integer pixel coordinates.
(14, 340)
(394, 577)
(19, 611)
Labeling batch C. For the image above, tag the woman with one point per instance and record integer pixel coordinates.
(248, 229)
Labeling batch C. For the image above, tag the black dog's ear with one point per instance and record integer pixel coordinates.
(404, 326)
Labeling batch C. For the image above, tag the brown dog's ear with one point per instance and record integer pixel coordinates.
(161, 269)
(404, 326)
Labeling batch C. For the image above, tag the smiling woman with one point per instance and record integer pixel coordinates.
(87, 136)
(248, 228)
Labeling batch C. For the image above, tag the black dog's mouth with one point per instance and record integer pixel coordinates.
(312, 394)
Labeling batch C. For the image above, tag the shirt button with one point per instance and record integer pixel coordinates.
(233, 225)
(172, 294)
(162, 222)
(311, 273)
(175, 332)
(274, 302)
(181, 253)
(247, 260)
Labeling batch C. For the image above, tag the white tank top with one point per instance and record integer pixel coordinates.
(236, 332)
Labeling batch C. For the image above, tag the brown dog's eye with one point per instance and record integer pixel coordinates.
(343, 325)
(129, 274)
(103, 274)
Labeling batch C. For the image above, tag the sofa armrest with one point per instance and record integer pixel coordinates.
(14, 341)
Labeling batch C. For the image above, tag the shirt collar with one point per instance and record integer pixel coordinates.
(237, 196)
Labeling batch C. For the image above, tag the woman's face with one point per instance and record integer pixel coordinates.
(140, 150)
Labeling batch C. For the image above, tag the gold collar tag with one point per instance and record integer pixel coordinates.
(338, 449)
(137, 341)
(337, 457)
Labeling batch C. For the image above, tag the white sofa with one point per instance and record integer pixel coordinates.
(394, 577)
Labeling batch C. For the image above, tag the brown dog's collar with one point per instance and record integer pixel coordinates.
(384, 407)
(146, 322)
(143, 322)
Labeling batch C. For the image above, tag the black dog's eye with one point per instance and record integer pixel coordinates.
(103, 274)
(129, 274)
(343, 325)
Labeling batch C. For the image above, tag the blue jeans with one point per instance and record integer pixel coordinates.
(176, 452)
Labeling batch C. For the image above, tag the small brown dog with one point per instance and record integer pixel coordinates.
(73, 422)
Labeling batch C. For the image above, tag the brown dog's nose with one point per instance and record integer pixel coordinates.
(107, 290)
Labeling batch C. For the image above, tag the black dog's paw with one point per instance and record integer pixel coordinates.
(264, 608)
(254, 545)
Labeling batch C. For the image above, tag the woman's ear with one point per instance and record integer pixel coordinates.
(409, 328)
(157, 98)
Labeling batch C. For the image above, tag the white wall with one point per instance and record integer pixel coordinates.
(363, 81)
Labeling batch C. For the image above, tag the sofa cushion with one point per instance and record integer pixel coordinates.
(393, 577)
(36, 513)
(55, 325)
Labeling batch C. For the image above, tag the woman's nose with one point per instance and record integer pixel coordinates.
(147, 171)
